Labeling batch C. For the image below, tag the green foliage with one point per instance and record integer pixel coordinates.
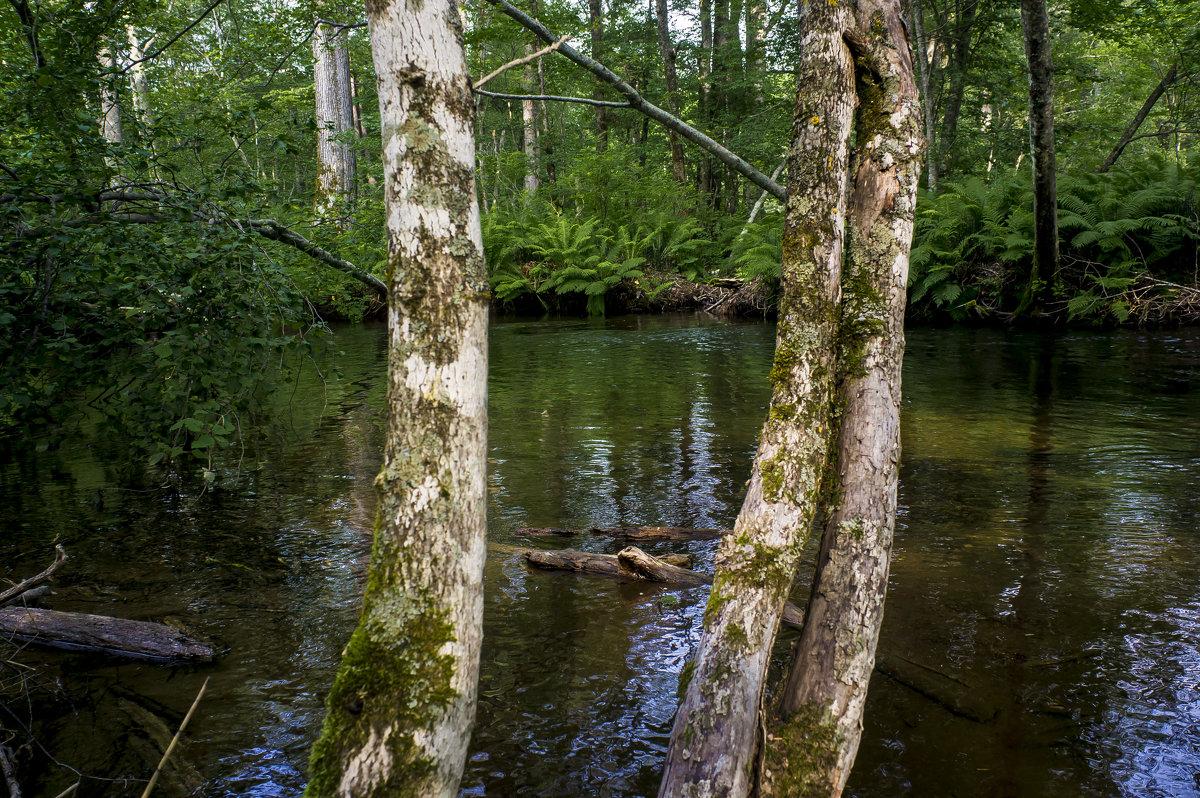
(758, 250)
(974, 240)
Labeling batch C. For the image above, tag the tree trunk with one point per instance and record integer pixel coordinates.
(678, 167)
(400, 713)
(812, 748)
(716, 729)
(756, 44)
(529, 123)
(704, 71)
(1036, 25)
(334, 116)
(1130, 131)
(141, 87)
(596, 25)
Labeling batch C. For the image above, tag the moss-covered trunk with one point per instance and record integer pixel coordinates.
(811, 746)
(716, 729)
(400, 713)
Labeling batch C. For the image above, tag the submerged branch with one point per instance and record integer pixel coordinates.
(13, 593)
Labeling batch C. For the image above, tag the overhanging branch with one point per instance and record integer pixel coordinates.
(640, 103)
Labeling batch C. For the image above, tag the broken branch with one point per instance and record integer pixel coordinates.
(519, 61)
(14, 592)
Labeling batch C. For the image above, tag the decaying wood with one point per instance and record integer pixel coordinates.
(77, 631)
(640, 533)
(13, 593)
(634, 564)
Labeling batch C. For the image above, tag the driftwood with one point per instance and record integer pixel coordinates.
(639, 533)
(77, 631)
(13, 593)
(634, 564)
(9, 771)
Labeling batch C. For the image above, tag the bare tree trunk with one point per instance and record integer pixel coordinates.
(716, 729)
(334, 116)
(596, 24)
(925, 67)
(1132, 129)
(1036, 24)
(529, 123)
(400, 713)
(812, 747)
(678, 167)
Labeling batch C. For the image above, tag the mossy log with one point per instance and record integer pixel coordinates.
(634, 564)
(639, 533)
(101, 634)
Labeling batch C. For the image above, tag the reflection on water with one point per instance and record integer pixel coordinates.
(1047, 558)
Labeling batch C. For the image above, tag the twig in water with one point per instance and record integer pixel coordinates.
(166, 754)
(60, 557)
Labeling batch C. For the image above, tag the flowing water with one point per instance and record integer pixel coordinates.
(1046, 573)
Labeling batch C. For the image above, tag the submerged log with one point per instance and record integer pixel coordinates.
(640, 533)
(634, 564)
(119, 637)
(955, 695)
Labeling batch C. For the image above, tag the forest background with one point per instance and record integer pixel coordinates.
(190, 187)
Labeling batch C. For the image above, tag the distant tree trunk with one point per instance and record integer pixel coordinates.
(704, 71)
(400, 713)
(137, 80)
(596, 25)
(756, 42)
(812, 747)
(1036, 25)
(678, 167)
(1130, 131)
(110, 101)
(714, 737)
(925, 68)
(959, 63)
(529, 123)
(334, 116)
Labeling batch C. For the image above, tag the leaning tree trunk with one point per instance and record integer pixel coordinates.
(716, 729)
(811, 748)
(334, 115)
(1036, 24)
(1130, 130)
(400, 713)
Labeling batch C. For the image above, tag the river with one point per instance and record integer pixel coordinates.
(1047, 562)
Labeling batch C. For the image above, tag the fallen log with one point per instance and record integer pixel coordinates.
(955, 695)
(638, 533)
(634, 564)
(14, 593)
(101, 634)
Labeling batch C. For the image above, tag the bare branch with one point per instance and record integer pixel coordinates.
(173, 39)
(519, 61)
(640, 103)
(584, 100)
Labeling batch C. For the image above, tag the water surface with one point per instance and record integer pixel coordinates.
(1047, 558)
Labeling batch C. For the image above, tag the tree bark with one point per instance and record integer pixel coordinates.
(716, 729)
(1132, 129)
(925, 68)
(812, 748)
(678, 167)
(400, 713)
(1035, 23)
(334, 116)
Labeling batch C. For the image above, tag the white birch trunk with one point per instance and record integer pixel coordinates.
(399, 716)
(529, 124)
(714, 738)
(334, 116)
